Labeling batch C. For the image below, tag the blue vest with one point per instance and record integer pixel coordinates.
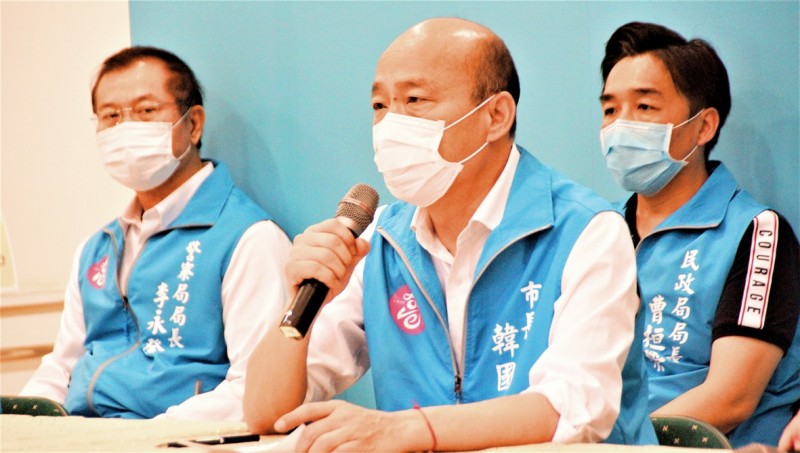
(147, 351)
(509, 312)
(683, 265)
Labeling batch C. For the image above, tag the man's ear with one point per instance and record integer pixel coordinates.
(197, 116)
(503, 112)
(710, 119)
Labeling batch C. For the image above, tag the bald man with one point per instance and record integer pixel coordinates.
(495, 302)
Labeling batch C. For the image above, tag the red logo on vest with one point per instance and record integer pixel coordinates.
(405, 311)
(97, 273)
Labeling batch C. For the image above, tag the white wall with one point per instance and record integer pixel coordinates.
(53, 190)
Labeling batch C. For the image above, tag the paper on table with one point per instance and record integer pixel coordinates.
(287, 443)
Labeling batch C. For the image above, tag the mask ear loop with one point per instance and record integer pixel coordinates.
(690, 119)
(185, 153)
(466, 159)
(690, 153)
(182, 117)
(469, 113)
(188, 148)
(695, 146)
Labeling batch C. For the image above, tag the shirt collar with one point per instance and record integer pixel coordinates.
(168, 209)
(491, 209)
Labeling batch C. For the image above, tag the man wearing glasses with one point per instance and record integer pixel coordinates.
(165, 303)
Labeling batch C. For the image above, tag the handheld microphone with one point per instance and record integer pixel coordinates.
(355, 211)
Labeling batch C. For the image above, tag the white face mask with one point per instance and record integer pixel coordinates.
(637, 154)
(407, 154)
(138, 154)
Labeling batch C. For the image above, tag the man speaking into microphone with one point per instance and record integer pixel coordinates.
(495, 302)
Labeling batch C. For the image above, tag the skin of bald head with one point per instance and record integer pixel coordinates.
(479, 52)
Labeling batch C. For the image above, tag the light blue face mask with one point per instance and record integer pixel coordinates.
(637, 154)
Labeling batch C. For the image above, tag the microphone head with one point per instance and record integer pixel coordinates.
(358, 205)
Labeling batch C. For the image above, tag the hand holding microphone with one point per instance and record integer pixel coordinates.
(355, 211)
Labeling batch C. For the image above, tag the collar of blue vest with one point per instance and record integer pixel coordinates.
(206, 205)
(707, 208)
(530, 202)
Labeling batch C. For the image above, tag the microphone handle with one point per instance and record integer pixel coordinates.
(308, 300)
(304, 308)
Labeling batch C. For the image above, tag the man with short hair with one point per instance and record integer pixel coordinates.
(496, 297)
(719, 272)
(165, 303)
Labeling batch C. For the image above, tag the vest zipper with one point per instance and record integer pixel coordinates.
(126, 306)
(457, 376)
(474, 282)
(457, 389)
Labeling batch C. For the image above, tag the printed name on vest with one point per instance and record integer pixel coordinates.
(753, 310)
(405, 311)
(96, 275)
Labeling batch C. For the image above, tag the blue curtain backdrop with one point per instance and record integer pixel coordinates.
(288, 87)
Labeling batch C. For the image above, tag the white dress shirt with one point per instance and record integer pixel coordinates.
(253, 296)
(589, 339)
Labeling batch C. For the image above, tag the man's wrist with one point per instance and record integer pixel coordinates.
(430, 427)
(413, 433)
